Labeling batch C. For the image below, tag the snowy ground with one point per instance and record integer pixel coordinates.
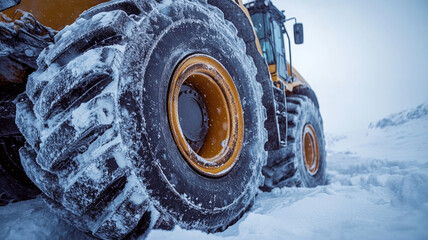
(378, 189)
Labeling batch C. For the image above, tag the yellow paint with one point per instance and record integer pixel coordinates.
(298, 80)
(224, 139)
(311, 151)
(55, 14)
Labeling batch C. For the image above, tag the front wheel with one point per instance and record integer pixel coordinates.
(145, 114)
(202, 115)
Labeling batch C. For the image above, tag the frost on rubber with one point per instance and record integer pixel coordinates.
(182, 195)
(286, 167)
(74, 152)
(98, 145)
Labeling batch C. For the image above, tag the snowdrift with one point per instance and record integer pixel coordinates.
(420, 112)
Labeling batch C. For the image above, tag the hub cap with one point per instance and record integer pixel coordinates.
(193, 117)
(310, 149)
(205, 115)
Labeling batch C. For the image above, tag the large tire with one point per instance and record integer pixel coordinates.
(70, 119)
(286, 167)
(94, 116)
(184, 196)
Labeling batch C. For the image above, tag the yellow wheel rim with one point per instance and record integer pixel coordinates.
(222, 143)
(310, 148)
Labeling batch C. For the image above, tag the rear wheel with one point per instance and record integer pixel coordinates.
(303, 161)
(112, 145)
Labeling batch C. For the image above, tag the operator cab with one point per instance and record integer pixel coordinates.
(269, 22)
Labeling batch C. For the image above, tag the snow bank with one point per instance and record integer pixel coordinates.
(378, 189)
(403, 117)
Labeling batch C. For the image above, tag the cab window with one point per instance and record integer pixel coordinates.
(279, 49)
(261, 24)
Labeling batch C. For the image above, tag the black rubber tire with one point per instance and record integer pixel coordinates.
(14, 183)
(285, 167)
(308, 92)
(182, 195)
(70, 120)
(126, 138)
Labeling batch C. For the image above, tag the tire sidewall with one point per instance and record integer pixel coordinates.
(174, 186)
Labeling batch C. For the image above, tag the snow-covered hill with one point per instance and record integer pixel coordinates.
(420, 112)
(378, 189)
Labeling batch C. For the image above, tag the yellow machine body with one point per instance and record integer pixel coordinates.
(55, 14)
(298, 79)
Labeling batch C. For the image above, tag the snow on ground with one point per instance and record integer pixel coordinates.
(378, 189)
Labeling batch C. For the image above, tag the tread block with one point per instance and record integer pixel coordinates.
(46, 181)
(125, 212)
(94, 181)
(293, 108)
(27, 122)
(84, 34)
(37, 81)
(90, 70)
(81, 127)
(267, 171)
(284, 171)
(294, 100)
(88, 151)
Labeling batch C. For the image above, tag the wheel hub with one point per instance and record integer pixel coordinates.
(310, 149)
(205, 115)
(193, 117)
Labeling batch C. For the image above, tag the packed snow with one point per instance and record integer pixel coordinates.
(378, 189)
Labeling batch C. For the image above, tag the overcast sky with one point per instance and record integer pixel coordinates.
(365, 59)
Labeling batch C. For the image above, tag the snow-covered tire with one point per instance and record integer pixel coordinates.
(182, 195)
(70, 119)
(286, 167)
(98, 140)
